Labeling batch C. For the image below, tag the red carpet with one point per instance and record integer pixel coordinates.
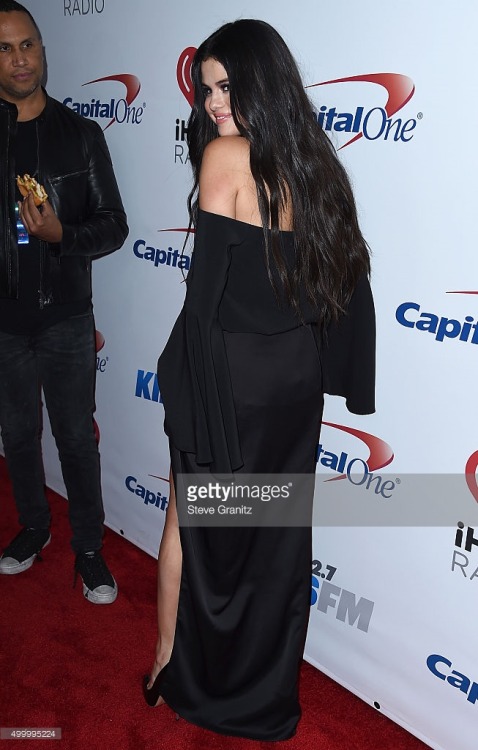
(71, 664)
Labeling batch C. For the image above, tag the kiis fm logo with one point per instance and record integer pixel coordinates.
(348, 608)
(117, 108)
(409, 315)
(370, 122)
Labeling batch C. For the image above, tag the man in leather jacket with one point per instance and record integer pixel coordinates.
(47, 331)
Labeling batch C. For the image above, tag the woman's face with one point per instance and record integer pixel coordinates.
(215, 85)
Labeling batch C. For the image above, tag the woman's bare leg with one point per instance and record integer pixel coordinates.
(169, 577)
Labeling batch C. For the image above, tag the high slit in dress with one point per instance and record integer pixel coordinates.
(242, 380)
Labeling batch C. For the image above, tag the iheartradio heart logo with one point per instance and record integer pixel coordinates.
(183, 73)
(470, 474)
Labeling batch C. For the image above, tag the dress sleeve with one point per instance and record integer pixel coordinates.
(193, 372)
(348, 353)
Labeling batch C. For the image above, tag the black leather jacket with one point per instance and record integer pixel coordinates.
(76, 171)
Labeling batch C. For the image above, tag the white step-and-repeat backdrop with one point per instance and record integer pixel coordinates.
(395, 579)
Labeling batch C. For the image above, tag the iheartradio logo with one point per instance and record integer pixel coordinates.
(470, 474)
(183, 73)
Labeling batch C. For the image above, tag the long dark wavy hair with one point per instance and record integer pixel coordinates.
(291, 159)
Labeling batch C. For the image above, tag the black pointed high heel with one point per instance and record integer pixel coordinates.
(152, 695)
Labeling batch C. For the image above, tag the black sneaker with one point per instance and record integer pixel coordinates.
(22, 551)
(99, 586)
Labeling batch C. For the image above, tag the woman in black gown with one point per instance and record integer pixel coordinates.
(278, 310)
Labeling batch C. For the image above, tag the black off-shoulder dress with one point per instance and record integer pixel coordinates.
(242, 381)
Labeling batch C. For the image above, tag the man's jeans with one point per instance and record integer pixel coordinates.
(62, 361)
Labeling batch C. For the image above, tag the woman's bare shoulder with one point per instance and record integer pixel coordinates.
(228, 152)
(224, 169)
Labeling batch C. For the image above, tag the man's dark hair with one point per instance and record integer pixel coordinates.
(7, 6)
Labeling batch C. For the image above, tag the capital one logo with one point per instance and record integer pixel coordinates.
(370, 122)
(410, 315)
(110, 109)
(380, 454)
(364, 121)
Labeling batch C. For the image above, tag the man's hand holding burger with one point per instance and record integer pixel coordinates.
(36, 212)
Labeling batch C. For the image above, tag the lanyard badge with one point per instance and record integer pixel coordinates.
(22, 234)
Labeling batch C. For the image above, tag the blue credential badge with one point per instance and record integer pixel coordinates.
(22, 234)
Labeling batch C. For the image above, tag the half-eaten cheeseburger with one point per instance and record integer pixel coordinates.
(27, 184)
